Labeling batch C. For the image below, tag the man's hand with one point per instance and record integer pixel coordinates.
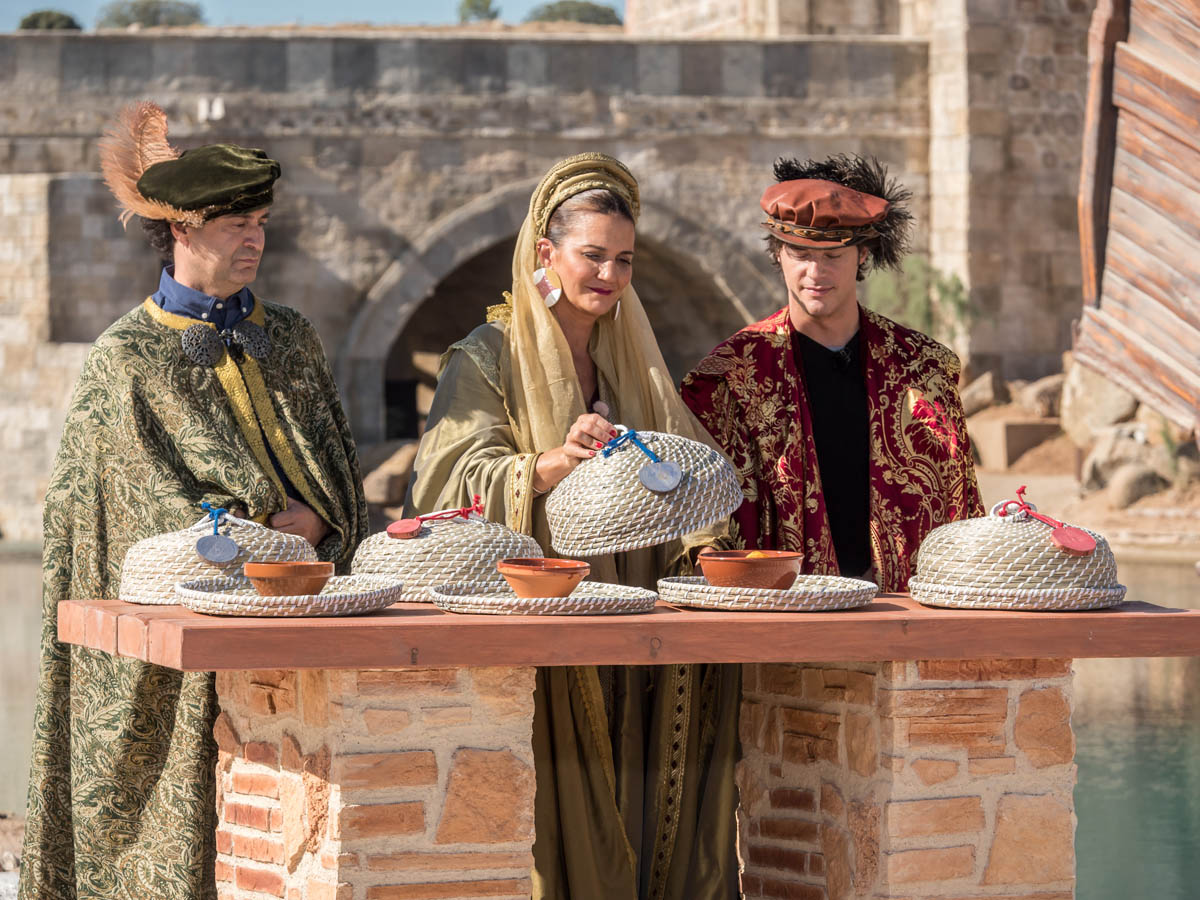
(300, 520)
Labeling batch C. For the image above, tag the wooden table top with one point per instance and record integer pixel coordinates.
(418, 634)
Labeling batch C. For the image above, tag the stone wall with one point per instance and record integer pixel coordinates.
(1007, 86)
(761, 18)
(908, 779)
(36, 373)
(406, 159)
(412, 784)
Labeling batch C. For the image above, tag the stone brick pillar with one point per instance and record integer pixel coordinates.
(414, 784)
(908, 779)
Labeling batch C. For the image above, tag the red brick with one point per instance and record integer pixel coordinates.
(258, 784)
(382, 820)
(976, 702)
(446, 862)
(405, 681)
(783, 679)
(277, 819)
(788, 830)
(791, 798)
(794, 861)
(387, 770)
(224, 871)
(262, 752)
(450, 890)
(751, 885)
(290, 756)
(262, 880)
(831, 801)
(816, 864)
(224, 841)
(259, 849)
(803, 750)
(251, 816)
(811, 723)
(776, 889)
(992, 669)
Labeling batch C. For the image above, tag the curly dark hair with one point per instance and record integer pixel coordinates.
(868, 176)
(158, 233)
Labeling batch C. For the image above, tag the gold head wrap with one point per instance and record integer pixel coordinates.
(543, 390)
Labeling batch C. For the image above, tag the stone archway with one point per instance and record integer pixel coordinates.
(677, 262)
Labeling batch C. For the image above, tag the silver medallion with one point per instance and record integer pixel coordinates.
(218, 548)
(202, 345)
(252, 339)
(660, 476)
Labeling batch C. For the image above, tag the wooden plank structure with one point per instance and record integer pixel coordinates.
(1139, 203)
(893, 627)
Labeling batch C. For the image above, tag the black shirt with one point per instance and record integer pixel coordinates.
(837, 400)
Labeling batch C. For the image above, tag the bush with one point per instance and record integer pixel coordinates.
(921, 297)
(149, 13)
(481, 10)
(574, 11)
(44, 19)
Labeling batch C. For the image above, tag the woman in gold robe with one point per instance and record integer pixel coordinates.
(635, 792)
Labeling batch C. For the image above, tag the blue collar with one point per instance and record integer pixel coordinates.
(223, 312)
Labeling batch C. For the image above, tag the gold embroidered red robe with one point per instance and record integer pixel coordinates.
(750, 394)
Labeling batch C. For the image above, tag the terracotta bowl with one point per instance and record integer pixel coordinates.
(288, 579)
(774, 569)
(542, 577)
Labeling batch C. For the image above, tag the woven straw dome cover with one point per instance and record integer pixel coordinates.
(602, 507)
(154, 565)
(1009, 562)
(446, 551)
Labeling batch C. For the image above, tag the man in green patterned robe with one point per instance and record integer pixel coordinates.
(202, 393)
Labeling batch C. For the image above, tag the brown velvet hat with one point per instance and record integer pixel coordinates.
(823, 215)
(840, 201)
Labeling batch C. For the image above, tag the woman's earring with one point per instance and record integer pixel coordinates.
(617, 311)
(549, 285)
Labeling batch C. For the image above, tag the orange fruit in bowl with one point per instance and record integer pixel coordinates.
(756, 554)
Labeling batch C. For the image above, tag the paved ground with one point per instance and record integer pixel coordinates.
(8, 886)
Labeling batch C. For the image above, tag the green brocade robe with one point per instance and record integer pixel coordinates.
(122, 787)
(634, 764)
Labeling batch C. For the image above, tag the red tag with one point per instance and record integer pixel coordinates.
(404, 528)
(1073, 541)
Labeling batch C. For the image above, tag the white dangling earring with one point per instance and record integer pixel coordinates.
(549, 285)
(617, 312)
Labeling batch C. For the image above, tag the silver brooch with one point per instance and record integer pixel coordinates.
(252, 339)
(202, 345)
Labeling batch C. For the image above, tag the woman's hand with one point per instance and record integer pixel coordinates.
(300, 520)
(589, 434)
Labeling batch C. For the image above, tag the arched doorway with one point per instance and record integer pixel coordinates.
(687, 310)
(438, 290)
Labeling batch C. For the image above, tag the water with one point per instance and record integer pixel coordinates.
(1137, 730)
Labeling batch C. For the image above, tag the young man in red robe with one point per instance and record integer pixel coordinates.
(846, 428)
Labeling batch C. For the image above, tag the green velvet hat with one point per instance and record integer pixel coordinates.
(215, 180)
(151, 179)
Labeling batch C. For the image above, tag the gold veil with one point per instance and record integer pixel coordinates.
(543, 391)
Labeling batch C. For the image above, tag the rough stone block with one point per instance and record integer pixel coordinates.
(448, 862)
(488, 799)
(862, 743)
(782, 858)
(403, 682)
(1042, 729)
(934, 771)
(973, 702)
(1034, 842)
(985, 768)
(1001, 441)
(450, 890)
(386, 721)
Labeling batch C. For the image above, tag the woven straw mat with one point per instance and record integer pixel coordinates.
(602, 507)
(153, 566)
(809, 593)
(1008, 562)
(445, 551)
(343, 595)
(590, 598)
